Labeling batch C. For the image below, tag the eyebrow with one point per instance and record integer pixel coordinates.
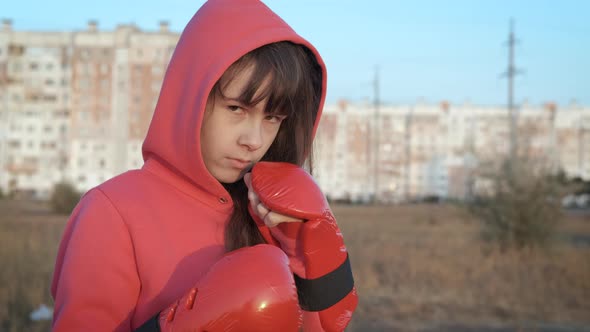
(232, 99)
(275, 112)
(237, 100)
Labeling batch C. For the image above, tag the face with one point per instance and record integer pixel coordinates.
(235, 136)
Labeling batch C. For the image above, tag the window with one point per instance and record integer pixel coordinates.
(83, 115)
(156, 84)
(16, 49)
(156, 70)
(83, 84)
(104, 84)
(14, 144)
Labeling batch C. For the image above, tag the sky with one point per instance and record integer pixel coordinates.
(420, 50)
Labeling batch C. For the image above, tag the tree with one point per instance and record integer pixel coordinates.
(521, 204)
(64, 198)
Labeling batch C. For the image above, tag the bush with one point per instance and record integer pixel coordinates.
(522, 205)
(64, 198)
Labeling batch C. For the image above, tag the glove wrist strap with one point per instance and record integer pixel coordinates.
(323, 292)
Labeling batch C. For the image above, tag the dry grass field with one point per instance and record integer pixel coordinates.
(425, 267)
(417, 268)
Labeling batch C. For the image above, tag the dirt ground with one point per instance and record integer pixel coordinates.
(426, 268)
(416, 267)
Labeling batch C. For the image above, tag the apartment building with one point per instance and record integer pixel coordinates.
(34, 109)
(408, 152)
(75, 106)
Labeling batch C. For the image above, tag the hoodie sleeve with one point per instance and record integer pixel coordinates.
(95, 283)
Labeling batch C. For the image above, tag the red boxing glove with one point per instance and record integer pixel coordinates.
(315, 247)
(249, 289)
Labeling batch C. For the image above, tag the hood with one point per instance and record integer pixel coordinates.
(216, 36)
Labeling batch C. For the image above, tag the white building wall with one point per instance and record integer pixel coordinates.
(423, 149)
(443, 159)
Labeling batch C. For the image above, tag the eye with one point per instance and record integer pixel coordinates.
(235, 108)
(275, 118)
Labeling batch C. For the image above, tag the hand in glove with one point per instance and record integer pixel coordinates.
(292, 212)
(249, 289)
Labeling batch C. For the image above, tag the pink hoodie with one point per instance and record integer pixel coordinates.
(137, 242)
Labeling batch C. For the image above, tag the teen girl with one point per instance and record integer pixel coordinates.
(221, 229)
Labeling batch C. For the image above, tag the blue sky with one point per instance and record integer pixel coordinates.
(432, 50)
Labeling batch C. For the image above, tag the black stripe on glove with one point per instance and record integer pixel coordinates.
(323, 292)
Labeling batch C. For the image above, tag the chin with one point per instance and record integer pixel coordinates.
(230, 178)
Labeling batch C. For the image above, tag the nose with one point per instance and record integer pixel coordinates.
(251, 135)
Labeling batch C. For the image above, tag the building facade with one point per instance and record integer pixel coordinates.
(75, 106)
(409, 152)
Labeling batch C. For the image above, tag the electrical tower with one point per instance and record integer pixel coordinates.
(377, 139)
(510, 73)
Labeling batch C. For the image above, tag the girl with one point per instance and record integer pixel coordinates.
(188, 242)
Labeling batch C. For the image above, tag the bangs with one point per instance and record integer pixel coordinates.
(275, 74)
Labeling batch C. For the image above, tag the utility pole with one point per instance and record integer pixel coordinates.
(377, 139)
(511, 71)
(408, 153)
(582, 130)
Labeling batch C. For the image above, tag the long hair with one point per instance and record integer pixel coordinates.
(294, 89)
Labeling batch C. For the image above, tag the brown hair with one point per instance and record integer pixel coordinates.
(294, 89)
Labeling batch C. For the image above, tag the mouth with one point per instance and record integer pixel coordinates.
(240, 163)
